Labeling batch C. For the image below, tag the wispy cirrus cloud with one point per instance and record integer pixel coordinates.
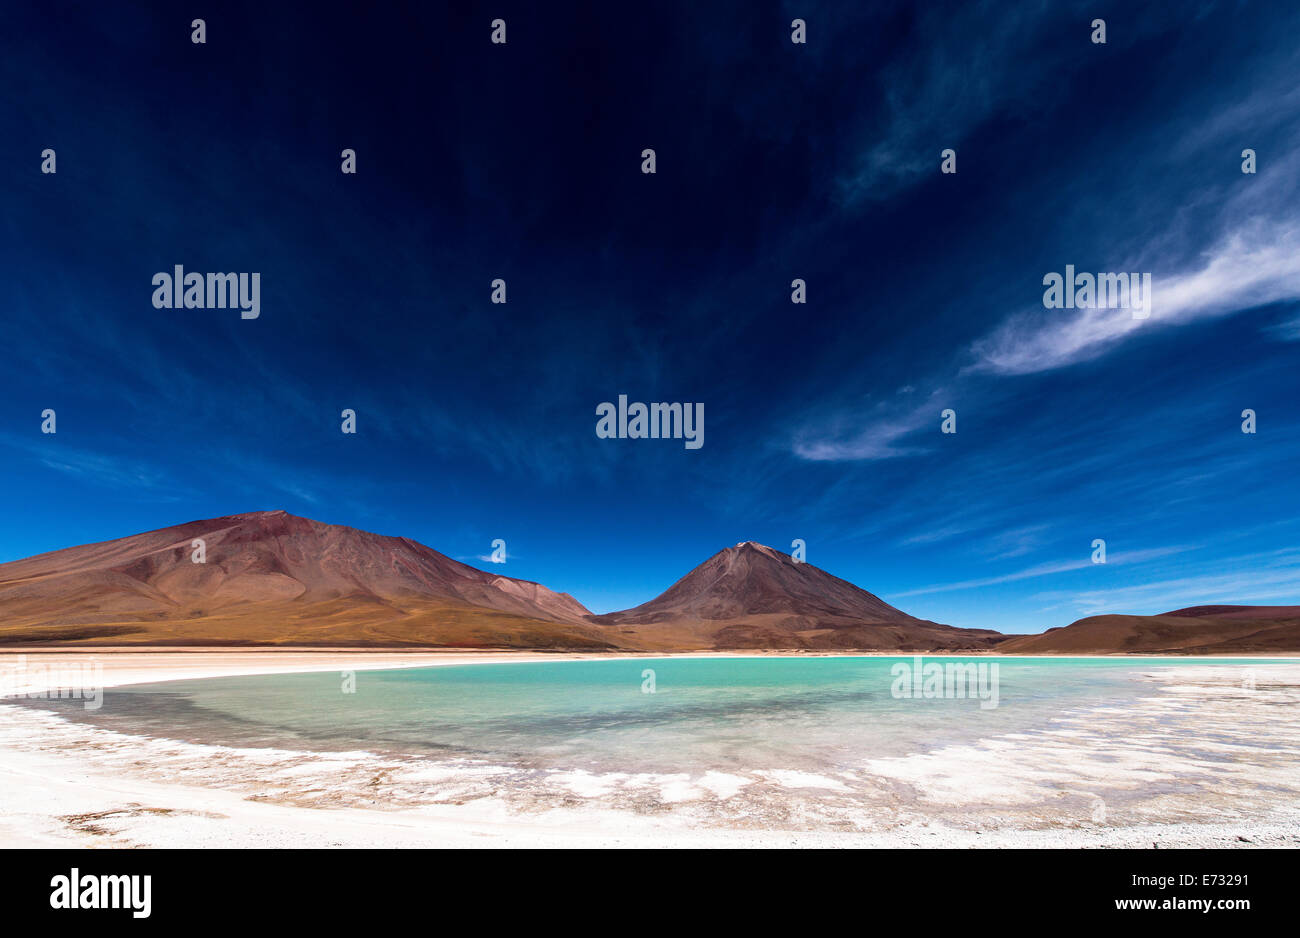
(105, 470)
(1047, 569)
(89, 466)
(1248, 255)
(979, 59)
(1259, 578)
(1229, 245)
(1017, 541)
(1253, 266)
(842, 435)
(937, 535)
(1256, 263)
(1287, 331)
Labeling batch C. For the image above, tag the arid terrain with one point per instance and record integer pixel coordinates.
(751, 596)
(1197, 630)
(275, 579)
(278, 579)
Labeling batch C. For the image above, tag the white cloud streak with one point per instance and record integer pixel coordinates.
(1253, 266)
(1046, 569)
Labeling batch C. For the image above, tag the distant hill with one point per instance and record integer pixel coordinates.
(751, 596)
(1197, 630)
(270, 577)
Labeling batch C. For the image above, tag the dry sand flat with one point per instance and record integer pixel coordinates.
(1198, 761)
(127, 665)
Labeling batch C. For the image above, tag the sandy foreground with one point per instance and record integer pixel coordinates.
(64, 783)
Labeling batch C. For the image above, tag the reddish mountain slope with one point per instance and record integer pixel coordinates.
(751, 596)
(274, 577)
(1197, 630)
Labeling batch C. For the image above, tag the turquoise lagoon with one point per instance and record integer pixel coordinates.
(726, 714)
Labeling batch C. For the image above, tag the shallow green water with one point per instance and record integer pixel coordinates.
(817, 713)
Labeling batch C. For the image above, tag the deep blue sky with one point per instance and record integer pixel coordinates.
(775, 161)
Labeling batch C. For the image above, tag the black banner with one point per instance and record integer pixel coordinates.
(361, 888)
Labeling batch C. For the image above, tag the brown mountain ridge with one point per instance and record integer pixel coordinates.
(751, 596)
(272, 578)
(1196, 630)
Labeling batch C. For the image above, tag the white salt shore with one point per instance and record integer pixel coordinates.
(1111, 777)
